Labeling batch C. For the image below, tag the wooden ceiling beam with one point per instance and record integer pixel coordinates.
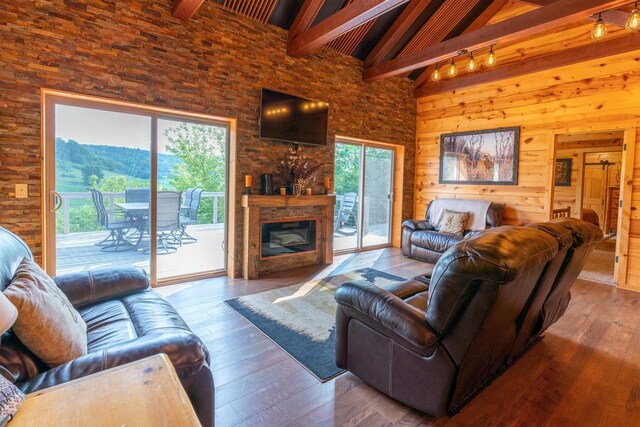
(185, 9)
(602, 49)
(305, 17)
(400, 26)
(480, 21)
(613, 16)
(341, 22)
(543, 19)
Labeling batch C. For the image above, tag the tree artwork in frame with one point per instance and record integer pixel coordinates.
(563, 172)
(480, 157)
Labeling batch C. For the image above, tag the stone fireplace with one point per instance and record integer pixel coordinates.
(285, 232)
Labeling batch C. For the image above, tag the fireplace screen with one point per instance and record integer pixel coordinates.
(288, 237)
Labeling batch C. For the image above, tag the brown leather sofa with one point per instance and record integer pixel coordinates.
(423, 241)
(126, 321)
(433, 346)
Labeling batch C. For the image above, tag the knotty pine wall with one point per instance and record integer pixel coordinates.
(216, 63)
(599, 95)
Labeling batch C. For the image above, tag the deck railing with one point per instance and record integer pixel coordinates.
(111, 197)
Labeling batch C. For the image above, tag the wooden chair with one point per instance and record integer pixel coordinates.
(562, 213)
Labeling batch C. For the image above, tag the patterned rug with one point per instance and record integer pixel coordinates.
(301, 318)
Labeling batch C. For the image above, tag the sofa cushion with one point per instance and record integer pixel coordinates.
(434, 240)
(117, 321)
(454, 222)
(47, 323)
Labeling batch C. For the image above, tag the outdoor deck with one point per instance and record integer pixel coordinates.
(78, 251)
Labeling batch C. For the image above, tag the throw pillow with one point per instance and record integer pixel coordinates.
(47, 323)
(454, 222)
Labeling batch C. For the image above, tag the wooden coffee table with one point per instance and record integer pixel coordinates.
(143, 393)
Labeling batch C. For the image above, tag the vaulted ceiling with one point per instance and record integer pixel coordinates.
(406, 37)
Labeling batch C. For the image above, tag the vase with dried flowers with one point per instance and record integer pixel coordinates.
(298, 170)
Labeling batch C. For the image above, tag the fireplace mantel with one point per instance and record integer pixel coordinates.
(257, 209)
(286, 201)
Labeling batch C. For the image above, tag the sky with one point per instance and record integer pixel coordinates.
(99, 127)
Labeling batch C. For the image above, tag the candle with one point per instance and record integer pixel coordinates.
(248, 181)
(327, 182)
(308, 191)
(283, 191)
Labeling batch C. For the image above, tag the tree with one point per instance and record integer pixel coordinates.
(202, 151)
(90, 170)
(347, 169)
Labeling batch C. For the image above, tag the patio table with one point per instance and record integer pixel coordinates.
(136, 211)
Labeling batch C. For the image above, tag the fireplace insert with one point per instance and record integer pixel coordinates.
(288, 237)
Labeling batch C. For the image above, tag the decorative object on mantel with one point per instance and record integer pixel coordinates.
(10, 396)
(248, 183)
(297, 170)
(327, 184)
(563, 172)
(308, 191)
(283, 191)
(480, 157)
(266, 184)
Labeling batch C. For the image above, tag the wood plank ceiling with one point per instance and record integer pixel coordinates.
(406, 37)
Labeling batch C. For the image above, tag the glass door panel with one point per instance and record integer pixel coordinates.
(192, 166)
(377, 200)
(347, 184)
(101, 159)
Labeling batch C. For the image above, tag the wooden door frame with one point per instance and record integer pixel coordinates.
(48, 100)
(626, 184)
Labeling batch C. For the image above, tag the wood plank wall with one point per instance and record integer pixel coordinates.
(601, 95)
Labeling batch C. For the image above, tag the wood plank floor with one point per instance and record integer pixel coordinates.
(586, 372)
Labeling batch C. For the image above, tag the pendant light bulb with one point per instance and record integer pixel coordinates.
(436, 76)
(599, 29)
(491, 58)
(452, 71)
(633, 23)
(472, 65)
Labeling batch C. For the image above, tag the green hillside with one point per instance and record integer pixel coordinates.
(132, 163)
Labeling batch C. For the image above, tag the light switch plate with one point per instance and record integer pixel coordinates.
(22, 191)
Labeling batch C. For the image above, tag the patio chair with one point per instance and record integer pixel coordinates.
(137, 195)
(345, 212)
(168, 220)
(115, 223)
(190, 216)
(186, 203)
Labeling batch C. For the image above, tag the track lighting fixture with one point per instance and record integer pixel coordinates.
(633, 23)
(599, 29)
(491, 58)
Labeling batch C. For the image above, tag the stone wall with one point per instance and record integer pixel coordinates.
(216, 64)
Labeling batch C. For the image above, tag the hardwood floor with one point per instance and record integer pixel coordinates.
(586, 372)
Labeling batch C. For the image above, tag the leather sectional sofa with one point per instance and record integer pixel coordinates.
(126, 321)
(434, 345)
(422, 240)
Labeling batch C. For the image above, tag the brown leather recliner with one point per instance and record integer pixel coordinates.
(126, 321)
(433, 346)
(423, 241)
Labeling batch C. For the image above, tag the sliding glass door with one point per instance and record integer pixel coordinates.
(131, 187)
(363, 184)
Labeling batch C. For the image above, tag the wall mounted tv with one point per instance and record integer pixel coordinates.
(290, 118)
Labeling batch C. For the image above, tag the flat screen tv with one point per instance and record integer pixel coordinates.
(290, 118)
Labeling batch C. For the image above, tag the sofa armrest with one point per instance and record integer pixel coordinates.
(414, 224)
(88, 287)
(367, 302)
(185, 350)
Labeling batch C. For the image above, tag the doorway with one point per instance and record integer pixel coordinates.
(128, 185)
(363, 183)
(587, 186)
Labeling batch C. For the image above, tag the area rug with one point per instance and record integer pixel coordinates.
(600, 263)
(301, 318)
